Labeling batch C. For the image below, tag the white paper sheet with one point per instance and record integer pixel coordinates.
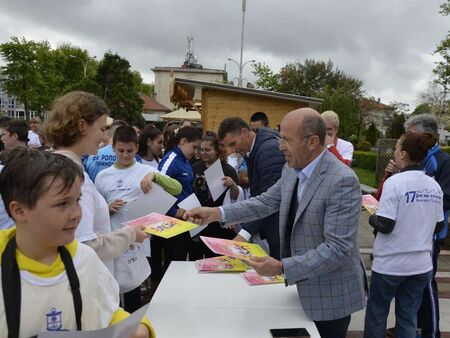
(124, 329)
(214, 175)
(190, 203)
(157, 200)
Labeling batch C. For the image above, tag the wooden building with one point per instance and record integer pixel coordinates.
(219, 101)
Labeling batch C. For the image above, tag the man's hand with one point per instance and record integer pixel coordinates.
(203, 215)
(147, 181)
(180, 213)
(141, 332)
(239, 238)
(391, 168)
(115, 205)
(266, 266)
(329, 140)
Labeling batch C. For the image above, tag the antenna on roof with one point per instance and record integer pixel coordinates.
(190, 61)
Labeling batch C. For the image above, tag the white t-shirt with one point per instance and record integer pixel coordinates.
(125, 184)
(6, 222)
(47, 302)
(414, 201)
(345, 148)
(33, 139)
(152, 163)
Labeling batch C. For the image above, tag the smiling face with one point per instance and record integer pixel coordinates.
(92, 135)
(208, 153)
(125, 153)
(53, 220)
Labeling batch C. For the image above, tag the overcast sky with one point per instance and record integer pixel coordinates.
(386, 43)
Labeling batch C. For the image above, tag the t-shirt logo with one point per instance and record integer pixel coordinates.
(119, 184)
(54, 321)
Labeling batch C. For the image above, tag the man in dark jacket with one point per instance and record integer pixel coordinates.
(265, 162)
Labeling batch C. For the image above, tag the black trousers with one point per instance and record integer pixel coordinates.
(333, 328)
(132, 300)
(164, 251)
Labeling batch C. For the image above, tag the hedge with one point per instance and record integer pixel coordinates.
(446, 149)
(364, 159)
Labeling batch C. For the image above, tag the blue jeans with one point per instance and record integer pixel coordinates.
(407, 291)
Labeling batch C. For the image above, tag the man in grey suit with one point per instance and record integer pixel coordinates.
(319, 201)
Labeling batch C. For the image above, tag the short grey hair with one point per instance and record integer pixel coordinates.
(423, 123)
(331, 115)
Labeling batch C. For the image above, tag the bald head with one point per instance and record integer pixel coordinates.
(308, 121)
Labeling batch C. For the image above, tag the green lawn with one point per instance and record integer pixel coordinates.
(365, 176)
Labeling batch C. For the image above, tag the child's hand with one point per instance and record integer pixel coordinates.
(115, 205)
(147, 181)
(141, 332)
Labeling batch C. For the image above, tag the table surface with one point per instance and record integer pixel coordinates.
(192, 304)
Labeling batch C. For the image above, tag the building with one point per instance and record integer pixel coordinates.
(151, 109)
(380, 114)
(10, 106)
(220, 101)
(164, 80)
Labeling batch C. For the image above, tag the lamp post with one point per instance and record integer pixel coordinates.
(240, 65)
(83, 62)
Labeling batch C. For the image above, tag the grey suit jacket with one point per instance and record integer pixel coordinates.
(324, 261)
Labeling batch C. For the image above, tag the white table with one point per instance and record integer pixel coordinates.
(192, 304)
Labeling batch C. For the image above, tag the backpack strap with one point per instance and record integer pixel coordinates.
(11, 287)
(74, 283)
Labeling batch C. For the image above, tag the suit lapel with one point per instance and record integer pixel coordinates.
(312, 184)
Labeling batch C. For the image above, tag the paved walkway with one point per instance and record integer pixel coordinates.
(365, 241)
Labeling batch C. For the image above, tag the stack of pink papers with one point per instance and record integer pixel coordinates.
(220, 264)
(241, 250)
(252, 278)
(370, 203)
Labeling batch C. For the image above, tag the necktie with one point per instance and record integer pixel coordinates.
(291, 219)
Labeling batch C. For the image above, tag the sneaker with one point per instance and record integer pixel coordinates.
(390, 332)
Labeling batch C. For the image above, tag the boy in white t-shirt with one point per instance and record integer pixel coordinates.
(119, 184)
(50, 282)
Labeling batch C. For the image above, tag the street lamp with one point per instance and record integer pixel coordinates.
(83, 62)
(240, 65)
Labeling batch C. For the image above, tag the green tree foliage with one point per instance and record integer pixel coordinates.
(29, 73)
(422, 109)
(119, 86)
(372, 134)
(396, 129)
(266, 78)
(340, 92)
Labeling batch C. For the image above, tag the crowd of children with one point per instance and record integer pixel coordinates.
(62, 213)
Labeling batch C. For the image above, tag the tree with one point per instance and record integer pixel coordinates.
(340, 92)
(397, 127)
(29, 73)
(423, 108)
(119, 86)
(267, 79)
(372, 134)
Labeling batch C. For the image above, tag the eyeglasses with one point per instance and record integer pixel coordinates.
(205, 150)
(284, 140)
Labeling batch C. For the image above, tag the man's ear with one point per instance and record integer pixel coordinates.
(183, 141)
(17, 211)
(244, 132)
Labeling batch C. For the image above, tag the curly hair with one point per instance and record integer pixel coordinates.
(62, 126)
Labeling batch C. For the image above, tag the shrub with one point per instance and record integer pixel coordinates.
(365, 159)
(446, 149)
(363, 146)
